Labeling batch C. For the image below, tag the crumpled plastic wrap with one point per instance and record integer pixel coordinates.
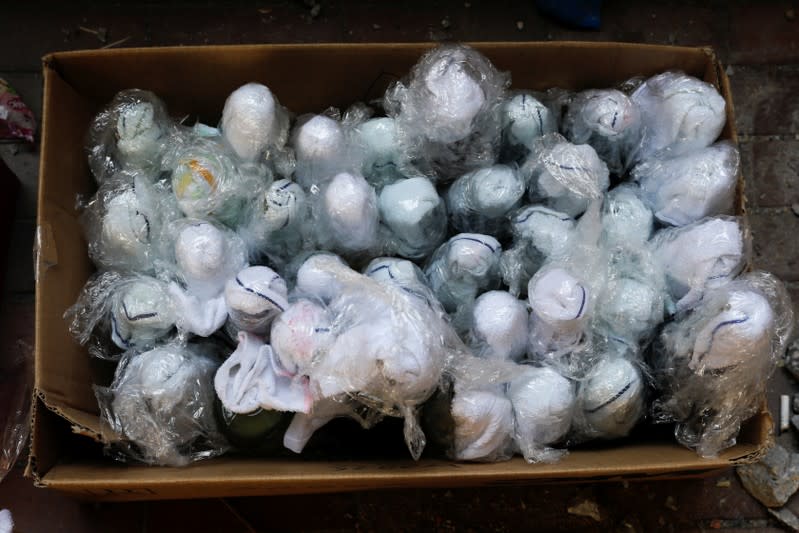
(607, 120)
(447, 111)
(461, 269)
(711, 365)
(626, 219)
(414, 216)
(543, 407)
(328, 144)
(565, 176)
(125, 221)
(611, 401)
(16, 119)
(210, 184)
(539, 234)
(700, 256)
(160, 407)
(483, 425)
(689, 187)
(383, 160)
(385, 347)
(397, 271)
(16, 389)
(133, 311)
(345, 216)
(480, 201)
(678, 112)
(254, 124)
(525, 117)
(131, 133)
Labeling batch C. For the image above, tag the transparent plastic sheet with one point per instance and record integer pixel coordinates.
(480, 201)
(525, 117)
(254, 124)
(447, 111)
(132, 311)
(130, 134)
(632, 298)
(387, 345)
(460, 270)
(539, 233)
(704, 255)
(345, 216)
(16, 388)
(499, 327)
(483, 425)
(125, 220)
(689, 187)
(413, 217)
(160, 407)
(328, 144)
(612, 399)
(678, 112)
(543, 408)
(565, 176)
(382, 155)
(277, 227)
(254, 298)
(711, 365)
(209, 182)
(608, 121)
(626, 219)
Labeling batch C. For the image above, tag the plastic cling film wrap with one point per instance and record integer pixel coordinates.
(479, 202)
(483, 425)
(254, 124)
(524, 119)
(462, 268)
(565, 176)
(254, 297)
(678, 112)
(159, 408)
(383, 158)
(415, 217)
(447, 111)
(626, 219)
(689, 187)
(325, 146)
(130, 134)
(607, 120)
(125, 222)
(712, 364)
(499, 326)
(539, 234)
(703, 255)
(543, 407)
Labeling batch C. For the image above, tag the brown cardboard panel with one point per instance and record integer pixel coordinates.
(196, 80)
(248, 477)
(62, 367)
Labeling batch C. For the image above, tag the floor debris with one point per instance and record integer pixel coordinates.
(774, 478)
(588, 508)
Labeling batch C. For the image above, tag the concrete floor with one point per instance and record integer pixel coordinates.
(759, 41)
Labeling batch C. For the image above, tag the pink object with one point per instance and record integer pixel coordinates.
(16, 118)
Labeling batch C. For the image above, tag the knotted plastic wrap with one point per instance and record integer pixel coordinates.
(447, 111)
(565, 176)
(626, 219)
(700, 256)
(254, 124)
(543, 407)
(712, 364)
(414, 217)
(125, 221)
(133, 311)
(525, 118)
(607, 120)
(689, 187)
(678, 112)
(480, 201)
(539, 234)
(160, 407)
(131, 134)
(374, 342)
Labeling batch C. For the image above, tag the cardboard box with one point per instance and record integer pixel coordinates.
(66, 454)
